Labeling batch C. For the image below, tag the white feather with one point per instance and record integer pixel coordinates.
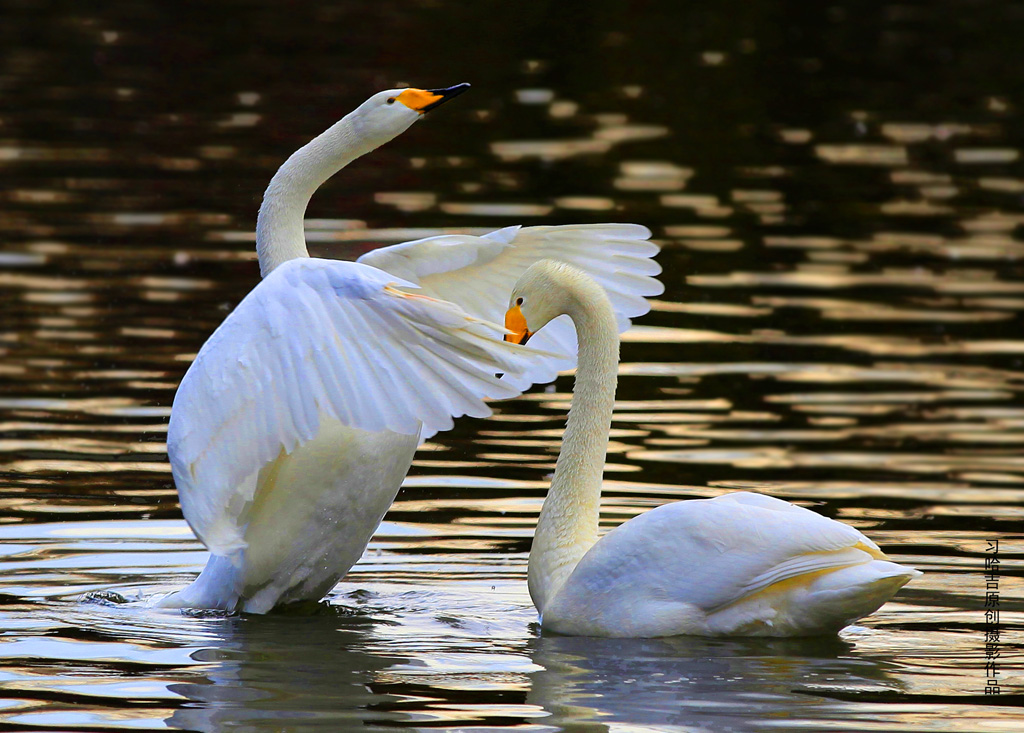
(704, 567)
(321, 339)
(478, 273)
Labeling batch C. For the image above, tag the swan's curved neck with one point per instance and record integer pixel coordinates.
(279, 233)
(568, 522)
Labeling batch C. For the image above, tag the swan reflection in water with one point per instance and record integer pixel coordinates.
(347, 671)
(695, 684)
(271, 673)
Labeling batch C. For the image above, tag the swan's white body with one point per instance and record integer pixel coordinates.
(738, 564)
(292, 430)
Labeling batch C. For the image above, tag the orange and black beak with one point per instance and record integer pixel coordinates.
(515, 322)
(424, 100)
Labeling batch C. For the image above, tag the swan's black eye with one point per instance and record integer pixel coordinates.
(519, 301)
(391, 100)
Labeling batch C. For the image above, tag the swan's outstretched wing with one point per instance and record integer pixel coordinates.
(320, 338)
(478, 273)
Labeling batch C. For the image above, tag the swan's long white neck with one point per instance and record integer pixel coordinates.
(568, 522)
(279, 232)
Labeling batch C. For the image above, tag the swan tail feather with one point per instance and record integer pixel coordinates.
(818, 602)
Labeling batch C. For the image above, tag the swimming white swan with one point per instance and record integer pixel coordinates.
(738, 564)
(293, 428)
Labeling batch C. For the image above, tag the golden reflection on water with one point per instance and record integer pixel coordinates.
(840, 329)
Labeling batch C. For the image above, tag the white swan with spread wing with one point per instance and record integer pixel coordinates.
(738, 564)
(292, 430)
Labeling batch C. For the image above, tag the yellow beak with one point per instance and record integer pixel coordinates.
(424, 100)
(515, 322)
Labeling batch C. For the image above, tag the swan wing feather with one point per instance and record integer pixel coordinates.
(322, 338)
(714, 552)
(478, 274)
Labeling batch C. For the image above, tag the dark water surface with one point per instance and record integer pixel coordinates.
(839, 193)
